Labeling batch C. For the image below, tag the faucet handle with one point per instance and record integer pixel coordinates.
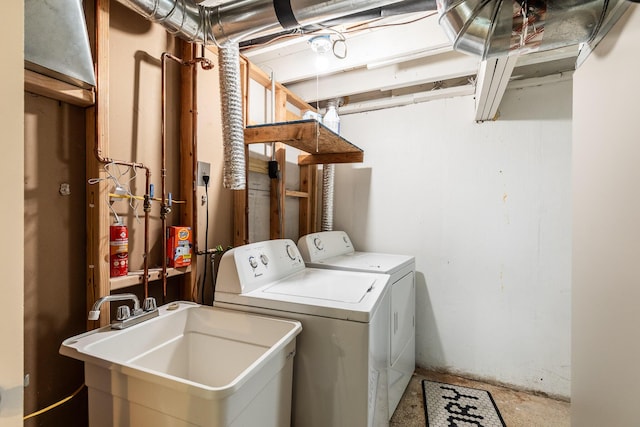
(124, 312)
(149, 304)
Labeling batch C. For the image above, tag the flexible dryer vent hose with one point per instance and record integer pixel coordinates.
(328, 176)
(232, 119)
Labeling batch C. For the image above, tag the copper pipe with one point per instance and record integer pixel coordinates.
(147, 205)
(165, 209)
(194, 147)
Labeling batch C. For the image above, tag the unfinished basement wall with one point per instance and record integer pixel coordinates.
(220, 200)
(606, 239)
(135, 47)
(55, 215)
(486, 211)
(54, 253)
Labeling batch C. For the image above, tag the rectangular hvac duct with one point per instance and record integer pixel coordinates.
(56, 42)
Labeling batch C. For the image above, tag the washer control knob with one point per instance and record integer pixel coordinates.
(264, 259)
(252, 262)
(318, 243)
(291, 252)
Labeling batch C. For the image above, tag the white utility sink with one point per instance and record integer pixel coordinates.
(191, 365)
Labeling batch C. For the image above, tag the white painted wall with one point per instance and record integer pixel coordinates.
(486, 210)
(11, 216)
(606, 241)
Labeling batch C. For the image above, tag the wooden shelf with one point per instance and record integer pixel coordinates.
(135, 277)
(58, 90)
(322, 144)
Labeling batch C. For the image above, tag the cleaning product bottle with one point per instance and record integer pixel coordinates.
(331, 118)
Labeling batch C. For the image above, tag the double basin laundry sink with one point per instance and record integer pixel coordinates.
(191, 365)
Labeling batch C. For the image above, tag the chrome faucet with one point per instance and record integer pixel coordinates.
(125, 317)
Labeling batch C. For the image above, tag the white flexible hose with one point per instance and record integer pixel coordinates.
(234, 176)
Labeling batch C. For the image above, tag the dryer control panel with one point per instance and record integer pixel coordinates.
(326, 244)
(246, 268)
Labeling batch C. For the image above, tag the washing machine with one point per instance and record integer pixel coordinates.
(334, 250)
(340, 365)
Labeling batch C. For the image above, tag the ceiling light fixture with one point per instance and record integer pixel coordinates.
(321, 44)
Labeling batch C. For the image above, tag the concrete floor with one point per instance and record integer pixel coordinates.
(518, 409)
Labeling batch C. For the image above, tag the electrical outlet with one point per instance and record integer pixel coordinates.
(204, 168)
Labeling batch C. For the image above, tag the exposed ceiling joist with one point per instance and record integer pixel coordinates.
(295, 61)
(412, 98)
(401, 58)
(426, 70)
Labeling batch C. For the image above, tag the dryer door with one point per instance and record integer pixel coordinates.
(402, 315)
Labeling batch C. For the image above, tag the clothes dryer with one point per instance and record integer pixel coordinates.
(334, 250)
(340, 365)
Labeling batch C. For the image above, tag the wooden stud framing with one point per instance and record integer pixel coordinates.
(307, 205)
(58, 90)
(322, 145)
(188, 158)
(98, 133)
(278, 189)
(241, 197)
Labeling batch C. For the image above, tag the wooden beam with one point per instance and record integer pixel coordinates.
(258, 166)
(154, 274)
(264, 80)
(58, 90)
(299, 194)
(278, 189)
(306, 135)
(323, 159)
(445, 66)
(240, 215)
(188, 159)
(98, 269)
(241, 197)
(304, 205)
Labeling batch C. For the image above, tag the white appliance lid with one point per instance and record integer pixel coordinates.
(366, 261)
(303, 293)
(313, 285)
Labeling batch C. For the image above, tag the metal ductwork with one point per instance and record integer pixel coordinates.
(56, 42)
(491, 28)
(237, 20)
(395, 9)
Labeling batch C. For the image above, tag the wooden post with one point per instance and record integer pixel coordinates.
(241, 197)
(188, 158)
(97, 118)
(309, 204)
(278, 186)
